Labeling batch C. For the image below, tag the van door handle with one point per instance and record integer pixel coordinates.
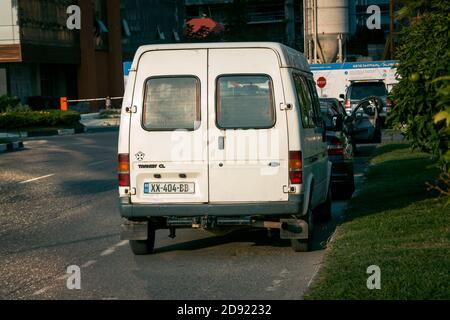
(312, 160)
(221, 143)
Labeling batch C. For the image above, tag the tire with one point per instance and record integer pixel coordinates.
(305, 245)
(143, 247)
(377, 137)
(323, 211)
(349, 188)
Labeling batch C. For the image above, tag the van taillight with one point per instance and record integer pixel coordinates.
(295, 167)
(347, 104)
(124, 170)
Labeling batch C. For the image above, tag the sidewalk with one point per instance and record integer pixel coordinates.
(93, 123)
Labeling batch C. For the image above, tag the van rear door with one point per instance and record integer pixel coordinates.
(248, 142)
(168, 132)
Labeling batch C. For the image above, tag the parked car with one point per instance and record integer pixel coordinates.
(365, 122)
(359, 90)
(340, 146)
(220, 135)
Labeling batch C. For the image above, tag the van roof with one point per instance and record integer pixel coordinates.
(288, 57)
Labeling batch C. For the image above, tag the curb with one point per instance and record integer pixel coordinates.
(43, 133)
(101, 129)
(11, 146)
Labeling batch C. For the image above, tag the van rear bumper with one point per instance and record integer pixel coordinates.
(294, 205)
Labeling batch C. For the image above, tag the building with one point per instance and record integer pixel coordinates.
(41, 59)
(376, 43)
(341, 25)
(358, 13)
(261, 20)
(150, 22)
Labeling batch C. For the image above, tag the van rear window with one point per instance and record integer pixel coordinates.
(244, 102)
(172, 103)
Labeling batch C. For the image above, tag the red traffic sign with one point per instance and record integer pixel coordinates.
(321, 82)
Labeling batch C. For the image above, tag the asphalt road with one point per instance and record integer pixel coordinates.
(58, 207)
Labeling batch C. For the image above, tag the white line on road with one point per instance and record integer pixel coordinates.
(63, 277)
(113, 248)
(107, 252)
(316, 271)
(41, 291)
(38, 178)
(122, 243)
(89, 263)
(97, 163)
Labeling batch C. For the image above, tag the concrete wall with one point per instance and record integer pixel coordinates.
(9, 28)
(9, 32)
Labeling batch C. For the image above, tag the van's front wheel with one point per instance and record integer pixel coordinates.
(142, 247)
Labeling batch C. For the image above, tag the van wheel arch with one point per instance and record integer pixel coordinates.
(308, 198)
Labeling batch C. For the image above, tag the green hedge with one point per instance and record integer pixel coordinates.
(27, 119)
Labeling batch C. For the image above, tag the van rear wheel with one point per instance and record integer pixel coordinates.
(323, 211)
(143, 247)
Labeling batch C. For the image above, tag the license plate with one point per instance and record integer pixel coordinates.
(168, 187)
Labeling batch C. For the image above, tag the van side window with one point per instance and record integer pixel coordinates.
(244, 102)
(171, 103)
(305, 101)
(316, 103)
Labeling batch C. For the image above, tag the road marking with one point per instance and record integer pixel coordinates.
(313, 276)
(122, 243)
(89, 263)
(113, 248)
(63, 277)
(97, 163)
(276, 284)
(38, 178)
(41, 291)
(108, 251)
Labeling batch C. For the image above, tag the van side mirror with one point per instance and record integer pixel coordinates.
(342, 96)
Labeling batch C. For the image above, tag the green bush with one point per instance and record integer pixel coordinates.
(8, 102)
(424, 85)
(27, 119)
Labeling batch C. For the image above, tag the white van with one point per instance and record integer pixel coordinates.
(219, 136)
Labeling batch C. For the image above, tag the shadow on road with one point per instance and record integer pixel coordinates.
(82, 187)
(259, 237)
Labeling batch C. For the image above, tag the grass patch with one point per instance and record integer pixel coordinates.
(396, 224)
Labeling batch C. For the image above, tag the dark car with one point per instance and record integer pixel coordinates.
(365, 121)
(360, 90)
(340, 146)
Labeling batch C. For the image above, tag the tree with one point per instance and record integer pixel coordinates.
(421, 98)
